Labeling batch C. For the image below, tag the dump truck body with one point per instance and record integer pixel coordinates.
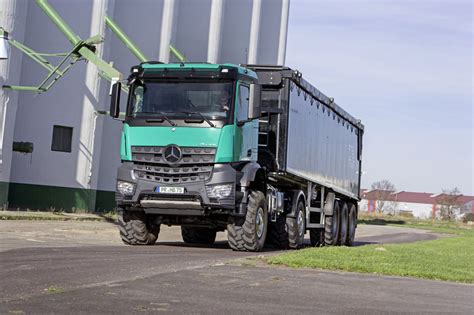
(309, 136)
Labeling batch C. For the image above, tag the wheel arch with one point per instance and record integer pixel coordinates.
(254, 176)
(329, 203)
(297, 195)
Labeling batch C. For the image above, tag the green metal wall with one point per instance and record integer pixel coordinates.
(41, 197)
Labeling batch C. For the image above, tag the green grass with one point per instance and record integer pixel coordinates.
(432, 225)
(448, 258)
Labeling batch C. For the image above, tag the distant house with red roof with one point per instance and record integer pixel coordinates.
(420, 204)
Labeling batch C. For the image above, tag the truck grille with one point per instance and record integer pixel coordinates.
(195, 165)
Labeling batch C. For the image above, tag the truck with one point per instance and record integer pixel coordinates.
(252, 149)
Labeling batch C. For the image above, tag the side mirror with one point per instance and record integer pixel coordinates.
(115, 100)
(255, 99)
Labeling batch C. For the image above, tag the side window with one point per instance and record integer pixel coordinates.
(137, 99)
(243, 108)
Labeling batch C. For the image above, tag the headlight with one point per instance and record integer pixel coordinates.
(125, 188)
(219, 191)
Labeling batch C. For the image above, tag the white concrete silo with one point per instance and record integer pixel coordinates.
(204, 30)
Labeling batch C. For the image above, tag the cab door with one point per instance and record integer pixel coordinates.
(246, 141)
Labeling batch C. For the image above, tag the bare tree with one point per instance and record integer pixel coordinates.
(382, 192)
(449, 204)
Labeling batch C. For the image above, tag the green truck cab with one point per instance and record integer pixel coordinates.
(189, 151)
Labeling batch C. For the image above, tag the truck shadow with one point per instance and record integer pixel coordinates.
(216, 245)
(225, 245)
(307, 243)
(377, 221)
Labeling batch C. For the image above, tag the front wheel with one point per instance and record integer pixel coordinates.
(136, 228)
(250, 236)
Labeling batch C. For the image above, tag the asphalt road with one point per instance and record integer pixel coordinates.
(81, 267)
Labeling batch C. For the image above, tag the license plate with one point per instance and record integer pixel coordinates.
(170, 190)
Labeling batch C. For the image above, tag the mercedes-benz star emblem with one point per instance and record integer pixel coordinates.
(172, 154)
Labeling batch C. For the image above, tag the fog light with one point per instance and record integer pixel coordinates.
(125, 188)
(219, 191)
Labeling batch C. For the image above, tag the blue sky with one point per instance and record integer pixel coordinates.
(405, 69)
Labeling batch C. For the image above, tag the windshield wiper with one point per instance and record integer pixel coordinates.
(172, 123)
(200, 115)
(163, 116)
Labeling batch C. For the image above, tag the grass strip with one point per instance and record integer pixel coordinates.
(449, 227)
(56, 216)
(447, 259)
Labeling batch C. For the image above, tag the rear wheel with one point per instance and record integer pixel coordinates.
(344, 224)
(331, 226)
(296, 227)
(136, 228)
(250, 236)
(352, 226)
(198, 235)
(277, 236)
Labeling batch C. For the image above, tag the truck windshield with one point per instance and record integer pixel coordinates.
(180, 100)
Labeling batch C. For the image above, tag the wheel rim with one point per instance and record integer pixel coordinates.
(260, 223)
(300, 222)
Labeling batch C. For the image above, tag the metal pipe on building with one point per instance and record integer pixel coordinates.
(215, 31)
(177, 54)
(254, 32)
(125, 39)
(166, 30)
(60, 23)
(285, 12)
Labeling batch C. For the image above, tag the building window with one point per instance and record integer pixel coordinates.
(62, 139)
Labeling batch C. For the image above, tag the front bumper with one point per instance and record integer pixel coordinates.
(194, 200)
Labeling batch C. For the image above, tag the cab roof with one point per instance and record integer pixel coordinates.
(221, 70)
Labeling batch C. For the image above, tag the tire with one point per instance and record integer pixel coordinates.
(196, 235)
(136, 228)
(316, 237)
(296, 227)
(277, 236)
(250, 236)
(331, 226)
(351, 226)
(343, 230)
